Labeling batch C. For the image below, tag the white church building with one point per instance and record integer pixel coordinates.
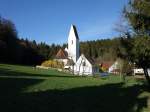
(72, 59)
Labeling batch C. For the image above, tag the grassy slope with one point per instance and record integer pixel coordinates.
(27, 89)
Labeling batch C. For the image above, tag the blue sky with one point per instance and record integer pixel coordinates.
(49, 20)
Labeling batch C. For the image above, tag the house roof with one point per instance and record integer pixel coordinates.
(70, 62)
(61, 54)
(91, 61)
(107, 64)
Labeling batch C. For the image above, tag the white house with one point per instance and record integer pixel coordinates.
(78, 64)
(85, 66)
(62, 56)
(114, 68)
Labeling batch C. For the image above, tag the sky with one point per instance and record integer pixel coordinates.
(49, 21)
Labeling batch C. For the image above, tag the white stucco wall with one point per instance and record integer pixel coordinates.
(73, 45)
(62, 60)
(83, 69)
(114, 66)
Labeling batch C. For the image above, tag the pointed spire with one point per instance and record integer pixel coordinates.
(73, 28)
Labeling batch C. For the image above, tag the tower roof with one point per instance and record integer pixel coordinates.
(75, 31)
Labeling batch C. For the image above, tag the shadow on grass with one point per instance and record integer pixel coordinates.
(10, 72)
(105, 98)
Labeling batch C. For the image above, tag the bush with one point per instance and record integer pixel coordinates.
(103, 69)
(53, 64)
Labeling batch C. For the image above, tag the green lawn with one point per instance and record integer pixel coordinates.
(26, 89)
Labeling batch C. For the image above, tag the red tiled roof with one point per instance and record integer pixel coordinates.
(61, 54)
(106, 64)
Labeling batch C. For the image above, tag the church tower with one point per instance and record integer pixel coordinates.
(73, 44)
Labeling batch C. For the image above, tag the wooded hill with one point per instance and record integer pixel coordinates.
(23, 51)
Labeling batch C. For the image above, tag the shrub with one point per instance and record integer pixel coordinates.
(53, 64)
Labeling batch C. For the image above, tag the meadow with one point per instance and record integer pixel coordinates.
(27, 89)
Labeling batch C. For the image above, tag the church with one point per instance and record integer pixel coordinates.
(72, 59)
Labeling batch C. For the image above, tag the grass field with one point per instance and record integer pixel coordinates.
(26, 89)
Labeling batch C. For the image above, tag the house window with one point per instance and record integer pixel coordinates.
(72, 42)
(84, 64)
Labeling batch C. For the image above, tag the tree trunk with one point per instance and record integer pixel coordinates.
(73, 69)
(146, 75)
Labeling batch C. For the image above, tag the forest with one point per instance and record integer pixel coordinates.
(16, 50)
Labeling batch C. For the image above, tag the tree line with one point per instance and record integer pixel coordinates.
(102, 50)
(23, 51)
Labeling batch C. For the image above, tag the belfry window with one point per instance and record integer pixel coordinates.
(72, 42)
